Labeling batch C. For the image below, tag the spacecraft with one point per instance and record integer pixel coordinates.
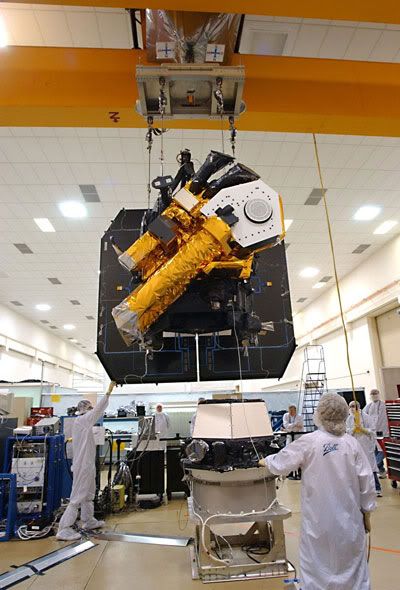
(197, 263)
(208, 234)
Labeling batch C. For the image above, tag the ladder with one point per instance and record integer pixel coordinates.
(313, 384)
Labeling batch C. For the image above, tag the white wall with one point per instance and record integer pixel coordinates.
(371, 287)
(24, 345)
(388, 326)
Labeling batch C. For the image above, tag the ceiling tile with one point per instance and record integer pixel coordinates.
(118, 173)
(9, 175)
(30, 146)
(26, 173)
(92, 149)
(387, 46)
(309, 40)
(112, 149)
(100, 173)
(22, 26)
(83, 28)
(51, 147)
(44, 131)
(54, 28)
(12, 150)
(45, 173)
(72, 149)
(115, 31)
(82, 173)
(336, 41)
(63, 173)
(362, 43)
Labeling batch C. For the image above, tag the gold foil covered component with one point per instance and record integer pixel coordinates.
(145, 305)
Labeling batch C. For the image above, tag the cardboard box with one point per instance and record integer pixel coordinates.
(21, 409)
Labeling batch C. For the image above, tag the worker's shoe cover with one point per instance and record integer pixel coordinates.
(68, 534)
(93, 524)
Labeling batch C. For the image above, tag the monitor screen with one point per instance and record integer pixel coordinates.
(348, 396)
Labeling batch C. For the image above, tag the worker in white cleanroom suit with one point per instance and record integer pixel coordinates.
(366, 437)
(84, 470)
(337, 495)
(376, 410)
(162, 421)
(292, 422)
(193, 418)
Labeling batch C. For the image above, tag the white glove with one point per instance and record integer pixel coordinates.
(263, 463)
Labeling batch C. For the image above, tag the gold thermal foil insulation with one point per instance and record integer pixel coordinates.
(179, 215)
(147, 253)
(145, 246)
(239, 268)
(150, 300)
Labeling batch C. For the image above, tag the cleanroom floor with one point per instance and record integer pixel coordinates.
(118, 565)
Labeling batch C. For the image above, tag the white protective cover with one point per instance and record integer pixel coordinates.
(232, 420)
(245, 232)
(186, 199)
(337, 486)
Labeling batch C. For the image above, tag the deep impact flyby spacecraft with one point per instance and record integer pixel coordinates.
(197, 286)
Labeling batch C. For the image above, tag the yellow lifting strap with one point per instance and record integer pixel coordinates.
(357, 416)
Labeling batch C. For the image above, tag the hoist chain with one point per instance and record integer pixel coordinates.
(233, 132)
(149, 140)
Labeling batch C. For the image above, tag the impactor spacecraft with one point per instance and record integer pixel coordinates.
(202, 289)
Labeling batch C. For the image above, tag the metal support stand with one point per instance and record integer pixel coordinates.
(241, 567)
(225, 546)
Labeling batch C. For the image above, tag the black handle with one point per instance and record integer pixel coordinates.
(215, 161)
(238, 174)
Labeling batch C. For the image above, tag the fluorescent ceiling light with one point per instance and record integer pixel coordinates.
(69, 327)
(44, 224)
(366, 213)
(309, 272)
(288, 223)
(386, 226)
(43, 307)
(74, 340)
(73, 209)
(319, 285)
(3, 33)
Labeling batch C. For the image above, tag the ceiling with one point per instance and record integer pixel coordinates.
(85, 26)
(75, 26)
(304, 37)
(66, 26)
(41, 167)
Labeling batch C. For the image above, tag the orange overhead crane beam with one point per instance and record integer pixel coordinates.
(353, 10)
(44, 86)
